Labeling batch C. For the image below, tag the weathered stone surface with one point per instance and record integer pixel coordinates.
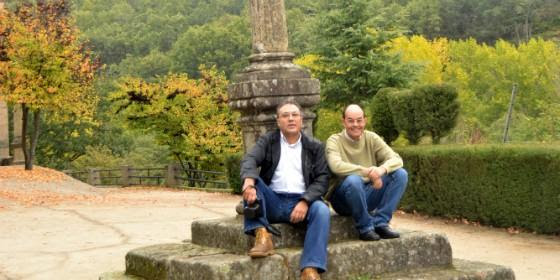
(268, 21)
(227, 266)
(460, 270)
(152, 262)
(4, 132)
(403, 258)
(412, 250)
(17, 147)
(271, 79)
(227, 233)
(118, 275)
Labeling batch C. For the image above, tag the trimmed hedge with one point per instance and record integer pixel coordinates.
(233, 170)
(500, 185)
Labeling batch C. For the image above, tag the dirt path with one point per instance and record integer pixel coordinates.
(64, 229)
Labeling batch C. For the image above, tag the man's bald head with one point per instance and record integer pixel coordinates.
(352, 108)
(354, 121)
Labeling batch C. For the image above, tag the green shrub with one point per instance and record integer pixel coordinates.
(407, 115)
(439, 109)
(500, 185)
(381, 117)
(233, 169)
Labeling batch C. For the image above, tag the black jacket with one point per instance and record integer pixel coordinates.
(266, 155)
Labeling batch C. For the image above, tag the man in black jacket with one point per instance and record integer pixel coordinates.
(293, 176)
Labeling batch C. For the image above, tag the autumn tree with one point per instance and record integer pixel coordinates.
(44, 68)
(191, 116)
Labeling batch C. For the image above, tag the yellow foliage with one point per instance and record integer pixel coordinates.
(191, 116)
(432, 55)
(44, 67)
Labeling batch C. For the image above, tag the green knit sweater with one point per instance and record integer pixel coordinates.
(346, 156)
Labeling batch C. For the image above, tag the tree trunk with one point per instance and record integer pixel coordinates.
(29, 150)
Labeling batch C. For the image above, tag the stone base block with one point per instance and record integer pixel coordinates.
(346, 259)
(460, 270)
(118, 275)
(227, 233)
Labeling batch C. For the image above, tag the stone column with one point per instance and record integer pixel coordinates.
(4, 131)
(271, 76)
(268, 23)
(17, 146)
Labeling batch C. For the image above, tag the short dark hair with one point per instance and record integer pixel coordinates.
(346, 108)
(288, 102)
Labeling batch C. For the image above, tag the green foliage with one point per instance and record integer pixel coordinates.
(142, 151)
(190, 116)
(224, 43)
(500, 185)
(486, 20)
(98, 157)
(120, 28)
(233, 171)
(484, 75)
(424, 17)
(327, 123)
(353, 58)
(407, 115)
(439, 108)
(381, 117)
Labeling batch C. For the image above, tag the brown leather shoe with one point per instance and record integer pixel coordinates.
(310, 273)
(263, 244)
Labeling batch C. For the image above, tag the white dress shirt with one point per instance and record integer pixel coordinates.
(288, 176)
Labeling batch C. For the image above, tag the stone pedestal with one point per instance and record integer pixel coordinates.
(218, 250)
(17, 147)
(270, 79)
(4, 132)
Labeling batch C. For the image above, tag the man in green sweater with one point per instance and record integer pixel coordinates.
(368, 176)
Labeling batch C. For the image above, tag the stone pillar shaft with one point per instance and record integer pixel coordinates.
(269, 30)
(4, 131)
(17, 146)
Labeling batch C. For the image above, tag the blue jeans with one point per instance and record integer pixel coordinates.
(277, 208)
(355, 198)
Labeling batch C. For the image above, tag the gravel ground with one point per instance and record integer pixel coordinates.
(54, 227)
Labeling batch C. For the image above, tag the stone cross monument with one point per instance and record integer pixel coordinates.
(271, 76)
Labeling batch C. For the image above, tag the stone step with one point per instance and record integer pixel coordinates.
(347, 260)
(412, 250)
(461, 269)
(227, 233)
(118, 275)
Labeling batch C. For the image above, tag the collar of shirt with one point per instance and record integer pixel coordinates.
(350, 138)
(285, 141)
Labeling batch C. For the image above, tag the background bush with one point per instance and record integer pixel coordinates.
(500, 185)
(381, 117)
(439, 108)
(233, 170)
(407, 115)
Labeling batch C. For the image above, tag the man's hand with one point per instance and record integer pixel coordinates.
(299, 212)
(249, 191)
(375, 175)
